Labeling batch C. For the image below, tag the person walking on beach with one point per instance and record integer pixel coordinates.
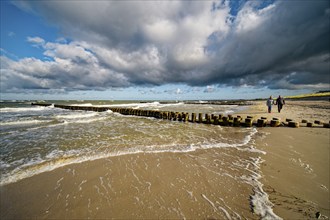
(269, 103)
(280, 102)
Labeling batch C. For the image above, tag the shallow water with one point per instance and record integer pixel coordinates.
(206, 158)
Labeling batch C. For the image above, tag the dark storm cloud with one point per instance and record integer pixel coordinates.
(291, 37)
(282, 45)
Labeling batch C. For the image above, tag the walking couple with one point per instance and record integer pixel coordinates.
(279, 102)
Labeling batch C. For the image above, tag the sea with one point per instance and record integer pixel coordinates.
(215, 167)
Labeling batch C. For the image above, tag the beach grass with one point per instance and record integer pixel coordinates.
(310, 95)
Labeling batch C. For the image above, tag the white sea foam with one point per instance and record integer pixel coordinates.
(153, 105)
(229, 112)
(4, 165)
(57, 158)
(147, 105)
(259, 200)
(23, 122)
(202, 102)
(38, 165)
(77, 115)
(88, 120)
(45, 125)
(84, 104)
(302, 164)
(36, 108)
(126, 105)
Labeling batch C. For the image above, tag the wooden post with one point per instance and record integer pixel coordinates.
(186, 117)
(175, 116)
(293, 124)
(179, 117)
(207, 118)
(248, 122)
(275, 123)
(200, 117)
(215, 120)
(237, 122)
(260, 123)
(224, 121)
(193, 117)
(164, 115)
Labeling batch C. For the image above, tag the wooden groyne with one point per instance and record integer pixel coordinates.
(222, 120)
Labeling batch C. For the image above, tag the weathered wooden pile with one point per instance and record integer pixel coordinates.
(222, 120)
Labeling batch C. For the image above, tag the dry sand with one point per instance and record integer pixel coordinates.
(296, 167)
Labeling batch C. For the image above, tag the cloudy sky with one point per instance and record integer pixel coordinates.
(163, 49)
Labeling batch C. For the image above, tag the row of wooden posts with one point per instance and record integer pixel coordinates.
(223, 120)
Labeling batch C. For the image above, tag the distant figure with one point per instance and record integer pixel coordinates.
(280, 102)
(269, 103)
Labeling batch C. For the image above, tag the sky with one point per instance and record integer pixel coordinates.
(163, 50)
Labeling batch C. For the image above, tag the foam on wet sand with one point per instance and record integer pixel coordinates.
(296, 165)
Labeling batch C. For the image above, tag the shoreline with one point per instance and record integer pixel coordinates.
(296, 164)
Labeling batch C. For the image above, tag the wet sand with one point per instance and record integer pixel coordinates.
(296, 168)
(296, 171)
(139, 186)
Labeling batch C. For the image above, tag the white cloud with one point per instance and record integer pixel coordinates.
(210, 89)
(72, 51)
(61, 40)
(72, 68)
(162, 31)
(250, 18)
(36, 40)
(178, 91)
(179, 28)
(199, 43)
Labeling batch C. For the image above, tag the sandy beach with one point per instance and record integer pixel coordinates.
(296, 167)
(215, 183)
(144, 109)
